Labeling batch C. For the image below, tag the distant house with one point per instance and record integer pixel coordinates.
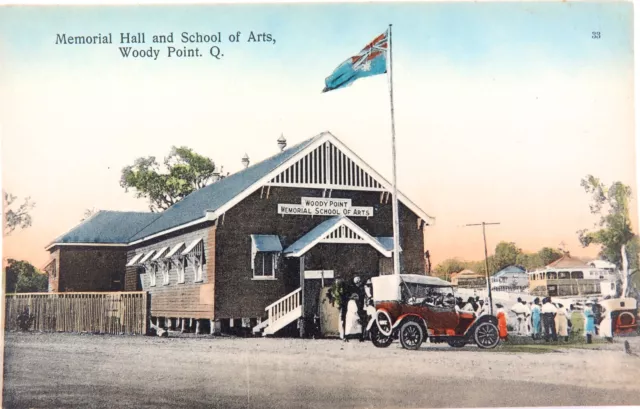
(510, 278)
(568, 276)
(468, 279)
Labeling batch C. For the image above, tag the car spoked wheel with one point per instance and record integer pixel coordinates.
(486, 335)
(383, 322)
(411, 335)
(378, 339)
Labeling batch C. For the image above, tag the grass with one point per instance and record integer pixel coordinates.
(526, 344)
(545, 348)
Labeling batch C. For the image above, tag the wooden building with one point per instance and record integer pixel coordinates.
(252, 245)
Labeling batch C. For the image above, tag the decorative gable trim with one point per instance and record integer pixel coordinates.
(343, 230)
(327, 167)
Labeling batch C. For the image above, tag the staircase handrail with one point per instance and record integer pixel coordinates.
(282, 299)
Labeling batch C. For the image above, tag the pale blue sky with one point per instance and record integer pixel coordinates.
(315, 38)
(501, 108)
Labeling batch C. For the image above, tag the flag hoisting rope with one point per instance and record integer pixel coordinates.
(372, 60)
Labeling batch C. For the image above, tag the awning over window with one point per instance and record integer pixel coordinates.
(135, 259)
(174, 250)
(159, 253)
(266, 242)
(191, 246)
(147, 256)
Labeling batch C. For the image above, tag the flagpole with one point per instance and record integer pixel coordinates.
(396, 224)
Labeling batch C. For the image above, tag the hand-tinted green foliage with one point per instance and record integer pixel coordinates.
(183, 172)
(15, 218)
(613, 229)
(23, 277)
(505, 255)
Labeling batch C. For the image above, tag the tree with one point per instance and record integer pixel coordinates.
(548, 255)
(529, 261)
(448, 267)
(23, 277)
(16, 218)
(506, 254)
(613, 229)
(184, 172)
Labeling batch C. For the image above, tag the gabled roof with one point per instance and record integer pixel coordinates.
(324, 230)
(107, 227)
(510, 270)
(567, 261)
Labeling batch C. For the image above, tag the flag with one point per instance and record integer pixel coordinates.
(372, 60)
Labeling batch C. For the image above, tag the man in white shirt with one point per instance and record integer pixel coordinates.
(520, 310)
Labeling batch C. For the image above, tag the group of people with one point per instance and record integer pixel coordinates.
(541, 318)
(474, 305)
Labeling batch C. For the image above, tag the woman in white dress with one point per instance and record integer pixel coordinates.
(353, 326)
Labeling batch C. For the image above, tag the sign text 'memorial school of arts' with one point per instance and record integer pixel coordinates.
(133, 44)
(320, 206)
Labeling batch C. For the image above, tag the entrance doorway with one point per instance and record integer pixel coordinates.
(326, 317)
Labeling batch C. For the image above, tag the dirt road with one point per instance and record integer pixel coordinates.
(63, 371)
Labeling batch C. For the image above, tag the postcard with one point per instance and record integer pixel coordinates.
(319, 205)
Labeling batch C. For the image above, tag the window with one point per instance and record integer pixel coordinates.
(198, 264)
(265, 251)
(577, 275)
(153, 272)
(265, 265)
(182, 266)
(165, 273)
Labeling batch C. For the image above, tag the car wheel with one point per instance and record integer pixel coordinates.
(457, 343)
(411, 335)
(486, 335)
(378, 339)
(383, 322)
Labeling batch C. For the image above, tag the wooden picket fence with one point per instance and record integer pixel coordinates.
(93, 312)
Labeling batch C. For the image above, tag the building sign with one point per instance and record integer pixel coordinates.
(321, 206)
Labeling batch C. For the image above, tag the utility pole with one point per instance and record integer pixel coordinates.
(486, 260)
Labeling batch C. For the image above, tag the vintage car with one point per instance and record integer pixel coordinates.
(619, 316)
(413, 307)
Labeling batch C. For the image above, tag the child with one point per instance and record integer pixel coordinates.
(502, 321)
(589, 321)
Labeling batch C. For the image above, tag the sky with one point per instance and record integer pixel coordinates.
(500, 108)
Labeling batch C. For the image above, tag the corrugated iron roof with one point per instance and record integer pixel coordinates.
(108, 227)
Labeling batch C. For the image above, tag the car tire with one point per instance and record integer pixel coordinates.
(379, 339)
(386, 328)
(457, 343)
(486, 335)
(411, 335)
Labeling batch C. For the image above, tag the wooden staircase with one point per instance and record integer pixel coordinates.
(281, 313)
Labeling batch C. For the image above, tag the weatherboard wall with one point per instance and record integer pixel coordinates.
(190, 299)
